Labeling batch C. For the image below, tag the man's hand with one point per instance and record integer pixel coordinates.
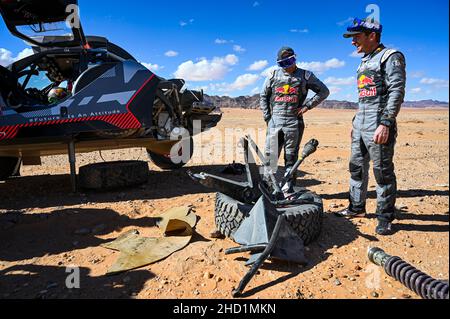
(381, 136)
(303, 111)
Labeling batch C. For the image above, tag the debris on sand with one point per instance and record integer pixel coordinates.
(136, 251)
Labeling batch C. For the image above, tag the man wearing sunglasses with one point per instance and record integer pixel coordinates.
(381, 85)
(284, 102)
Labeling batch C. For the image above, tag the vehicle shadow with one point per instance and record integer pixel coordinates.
(55, 190)
(49, 282)
(61, 231)
(411, 193)
(337, 232)
(40, 191)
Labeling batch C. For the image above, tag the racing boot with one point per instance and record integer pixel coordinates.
(351, 213)
(384, 228)
(289, 188)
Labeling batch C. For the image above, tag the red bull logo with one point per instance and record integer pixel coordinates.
(365, 81)
(367, 87)
(286, 90)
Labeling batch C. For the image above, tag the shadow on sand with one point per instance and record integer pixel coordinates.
(337, 232)
(55, 190)
(49, 282)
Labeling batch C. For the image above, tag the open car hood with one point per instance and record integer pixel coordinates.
(29, 12)
(36, 14)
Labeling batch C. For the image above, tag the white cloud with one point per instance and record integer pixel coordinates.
(417, 74)
(416, 90)
(184, 23)
(24, 54)
(299, 30)
(200, 87)
(334, 90)
(231, 59)
(239, 49)
(321, 67)
(221, 41)
(345, 22)
(241, 82)
(152, 67)
(206, 70)
(258, 65)
(438, 83)
(6, 56)
(340, 81)
(355, 54)
(171, 54)
(256, 90)
(268, 72)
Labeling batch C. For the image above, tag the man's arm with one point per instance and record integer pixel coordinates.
(265, 99)
(395, 80)
(321, 90)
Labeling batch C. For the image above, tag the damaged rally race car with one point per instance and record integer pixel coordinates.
(79, 93)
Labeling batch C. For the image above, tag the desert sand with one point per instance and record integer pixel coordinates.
(44, 228)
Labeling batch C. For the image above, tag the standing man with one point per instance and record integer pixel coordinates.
(381, 84)
(283, 104)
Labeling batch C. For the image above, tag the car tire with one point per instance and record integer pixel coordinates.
(229, 214)
(165, 162)
(9, 166)
(306, 220)
(113, 175)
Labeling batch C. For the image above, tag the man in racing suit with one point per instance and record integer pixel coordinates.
(283, 104)
(381, 85)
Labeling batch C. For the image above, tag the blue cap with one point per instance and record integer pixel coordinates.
(285, 50)
(360, 26)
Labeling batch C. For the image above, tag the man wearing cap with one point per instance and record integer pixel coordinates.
(283, 102)
(381, 85)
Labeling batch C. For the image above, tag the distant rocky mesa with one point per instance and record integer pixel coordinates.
(252, 102)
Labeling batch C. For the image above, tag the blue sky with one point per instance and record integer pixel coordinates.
(225, 47)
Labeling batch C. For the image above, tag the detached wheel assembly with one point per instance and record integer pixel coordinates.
(265, 221)
(306, 220)
(113, 175)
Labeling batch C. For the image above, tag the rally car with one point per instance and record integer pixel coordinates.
(79, 93)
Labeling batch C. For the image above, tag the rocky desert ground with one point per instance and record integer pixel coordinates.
(45, 228)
